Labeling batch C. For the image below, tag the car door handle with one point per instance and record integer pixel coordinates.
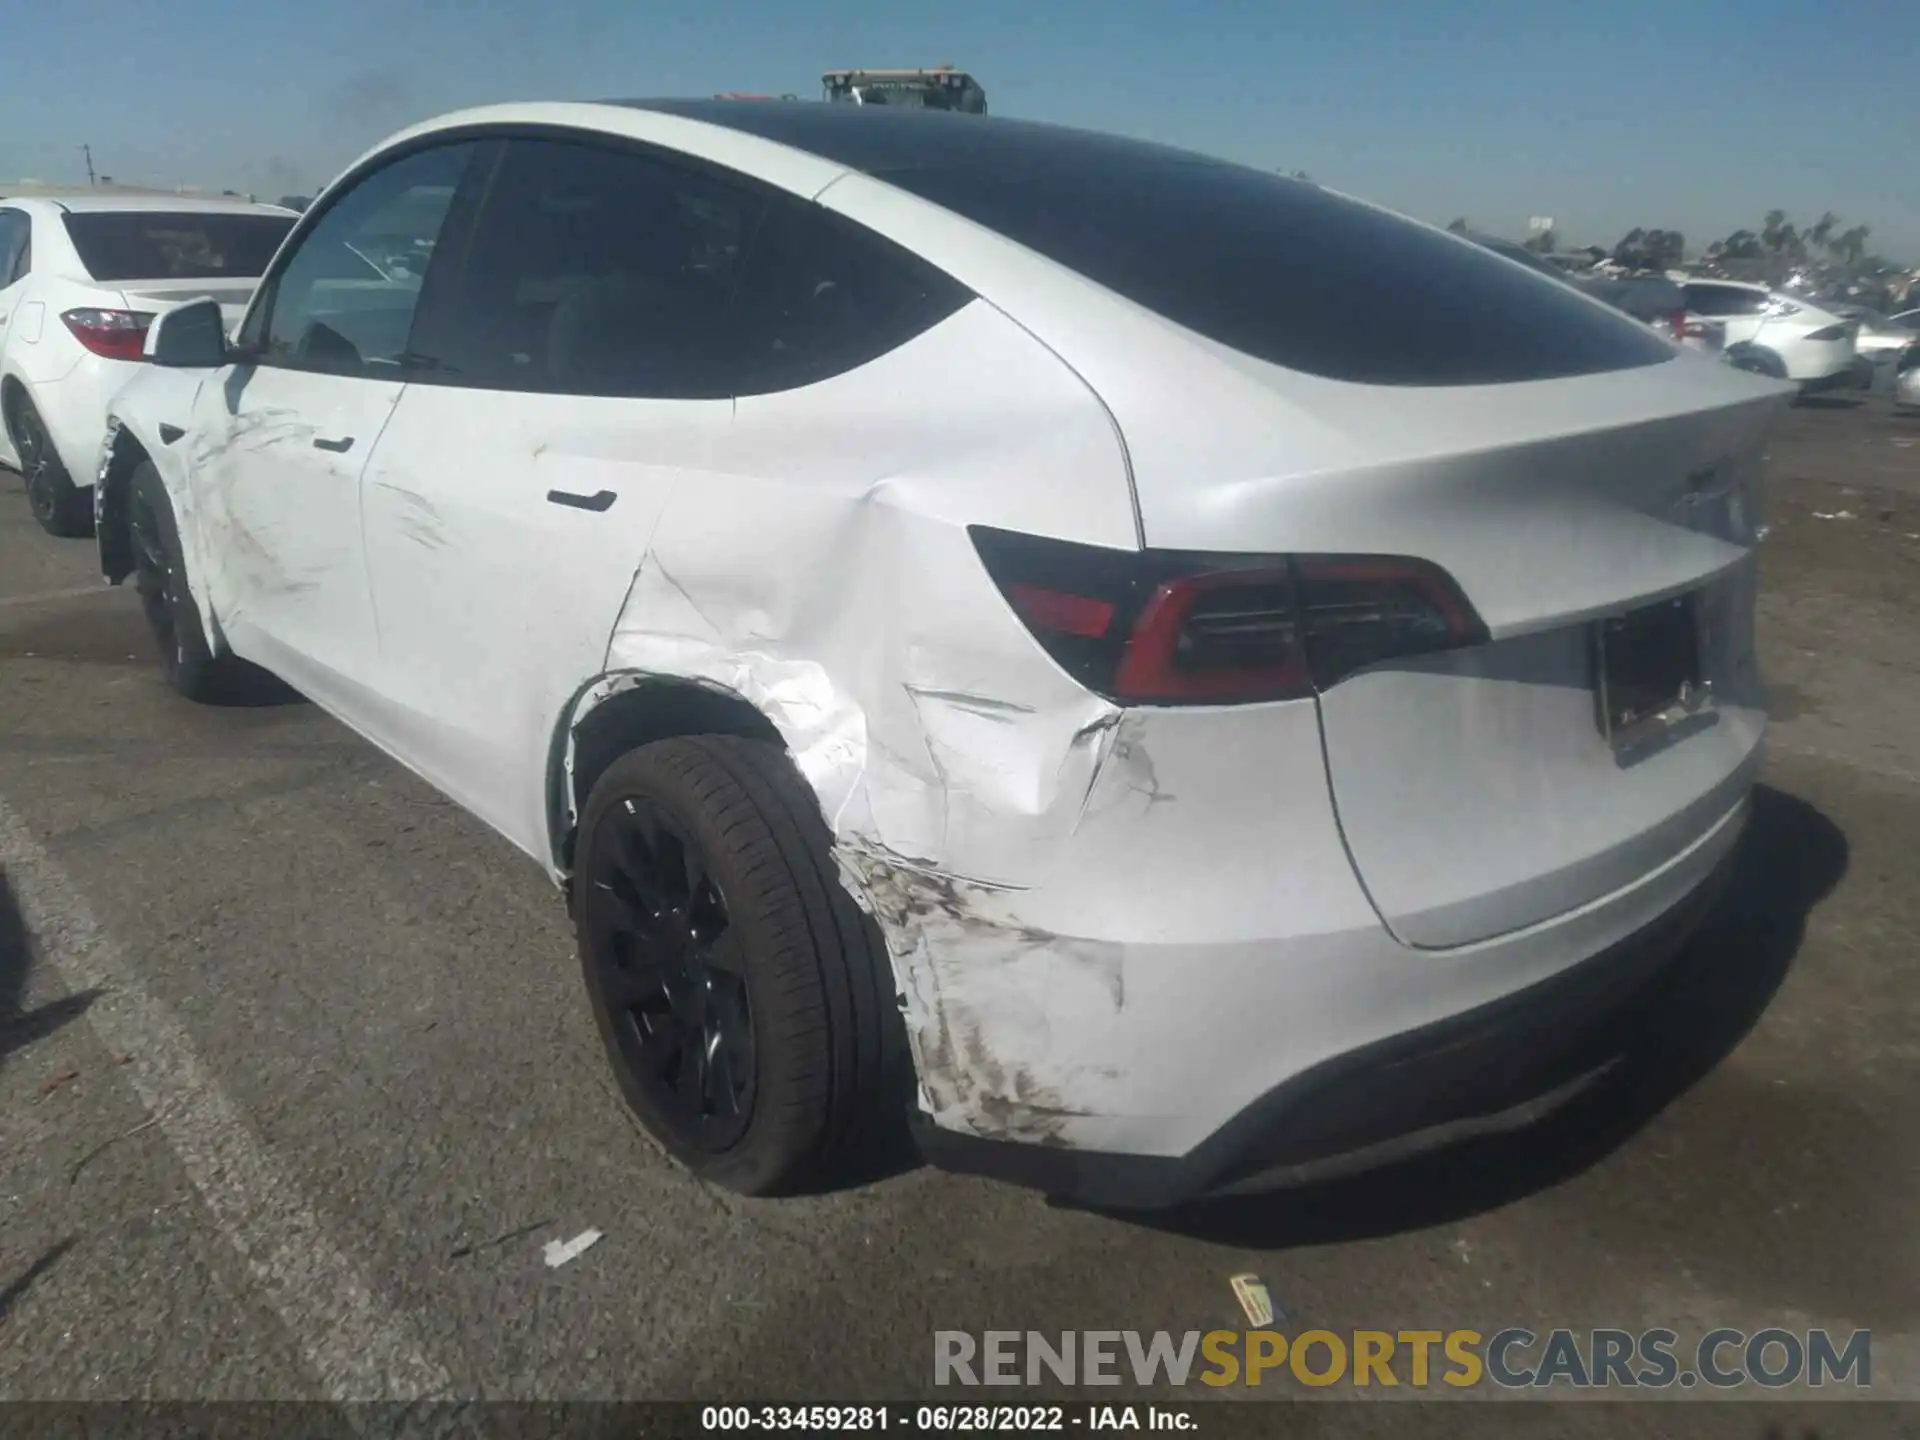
(338, 447)
(596, 503)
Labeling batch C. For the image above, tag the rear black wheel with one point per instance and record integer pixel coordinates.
(59, 506)
(1759, 362)
(744, 1001)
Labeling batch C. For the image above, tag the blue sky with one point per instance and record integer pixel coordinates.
(1606, 115)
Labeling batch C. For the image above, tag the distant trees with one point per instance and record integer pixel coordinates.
(1779, 248)
(1651, 249)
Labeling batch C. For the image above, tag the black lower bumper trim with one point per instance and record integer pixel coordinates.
(1483, 1062)
(1847, 379)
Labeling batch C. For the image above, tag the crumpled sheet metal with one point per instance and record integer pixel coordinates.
(951, 759)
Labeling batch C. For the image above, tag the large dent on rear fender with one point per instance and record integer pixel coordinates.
(927, 722)
(825, 575)
(951, 763)
(951, 760)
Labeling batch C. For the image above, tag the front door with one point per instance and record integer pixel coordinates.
(282, 438)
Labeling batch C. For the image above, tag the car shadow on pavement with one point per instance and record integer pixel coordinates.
(18, 1028)
(1790, 858)
(1831, 402)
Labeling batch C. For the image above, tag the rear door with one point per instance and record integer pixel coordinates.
(575, 374)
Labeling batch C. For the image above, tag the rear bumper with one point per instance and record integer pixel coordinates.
(1817, 363)
(1486, 1067)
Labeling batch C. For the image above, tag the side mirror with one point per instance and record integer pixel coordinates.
(188, 337)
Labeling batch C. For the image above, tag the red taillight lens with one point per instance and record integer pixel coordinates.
(1166, 628)
(116, 334)
(1218, 636)
(1678, 324)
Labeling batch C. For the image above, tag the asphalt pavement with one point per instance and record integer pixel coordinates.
(297, 1078)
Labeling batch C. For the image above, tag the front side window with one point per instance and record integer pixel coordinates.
(119, 245)
(593, 270)
(343, 302)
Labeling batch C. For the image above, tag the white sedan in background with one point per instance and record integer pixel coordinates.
(80, 277)
(1159, 670)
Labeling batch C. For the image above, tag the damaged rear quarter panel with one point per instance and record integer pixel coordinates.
(829, 580)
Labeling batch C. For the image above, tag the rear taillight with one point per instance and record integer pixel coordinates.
(1169, 628)
(1708, 332)
(1678, 325)
(1830, 332)
(116, 334)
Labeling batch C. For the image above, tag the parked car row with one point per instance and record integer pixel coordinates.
(1655, 302)
(1146, 670)
(1768, 332)
(81, 278)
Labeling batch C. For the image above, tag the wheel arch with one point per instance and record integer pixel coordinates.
(12, 391)
(121, 455)
(128, 442)
(621, 710)
(1752, 355)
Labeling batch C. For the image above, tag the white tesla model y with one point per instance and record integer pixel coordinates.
(1173, 671)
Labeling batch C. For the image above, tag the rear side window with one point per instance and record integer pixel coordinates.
(820, 296)
(1284, 271)
(1648, 300)
(153, 245)
(16, 230)
(592, 270)
(1724, 300)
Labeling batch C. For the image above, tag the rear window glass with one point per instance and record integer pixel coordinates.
(1289, 273)
(156, 245)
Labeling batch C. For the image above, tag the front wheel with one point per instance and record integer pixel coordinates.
(744, 1001)
(166, 600)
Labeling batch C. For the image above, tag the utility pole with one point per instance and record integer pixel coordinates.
(87, 150)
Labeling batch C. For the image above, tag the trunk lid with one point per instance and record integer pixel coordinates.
(231, 295)
(1476, 789)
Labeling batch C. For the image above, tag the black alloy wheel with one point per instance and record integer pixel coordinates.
(671, 970)
(745, 1002)
(153, 580)
(57, 506)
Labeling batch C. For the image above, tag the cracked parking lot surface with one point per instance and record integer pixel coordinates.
(297, 1079)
